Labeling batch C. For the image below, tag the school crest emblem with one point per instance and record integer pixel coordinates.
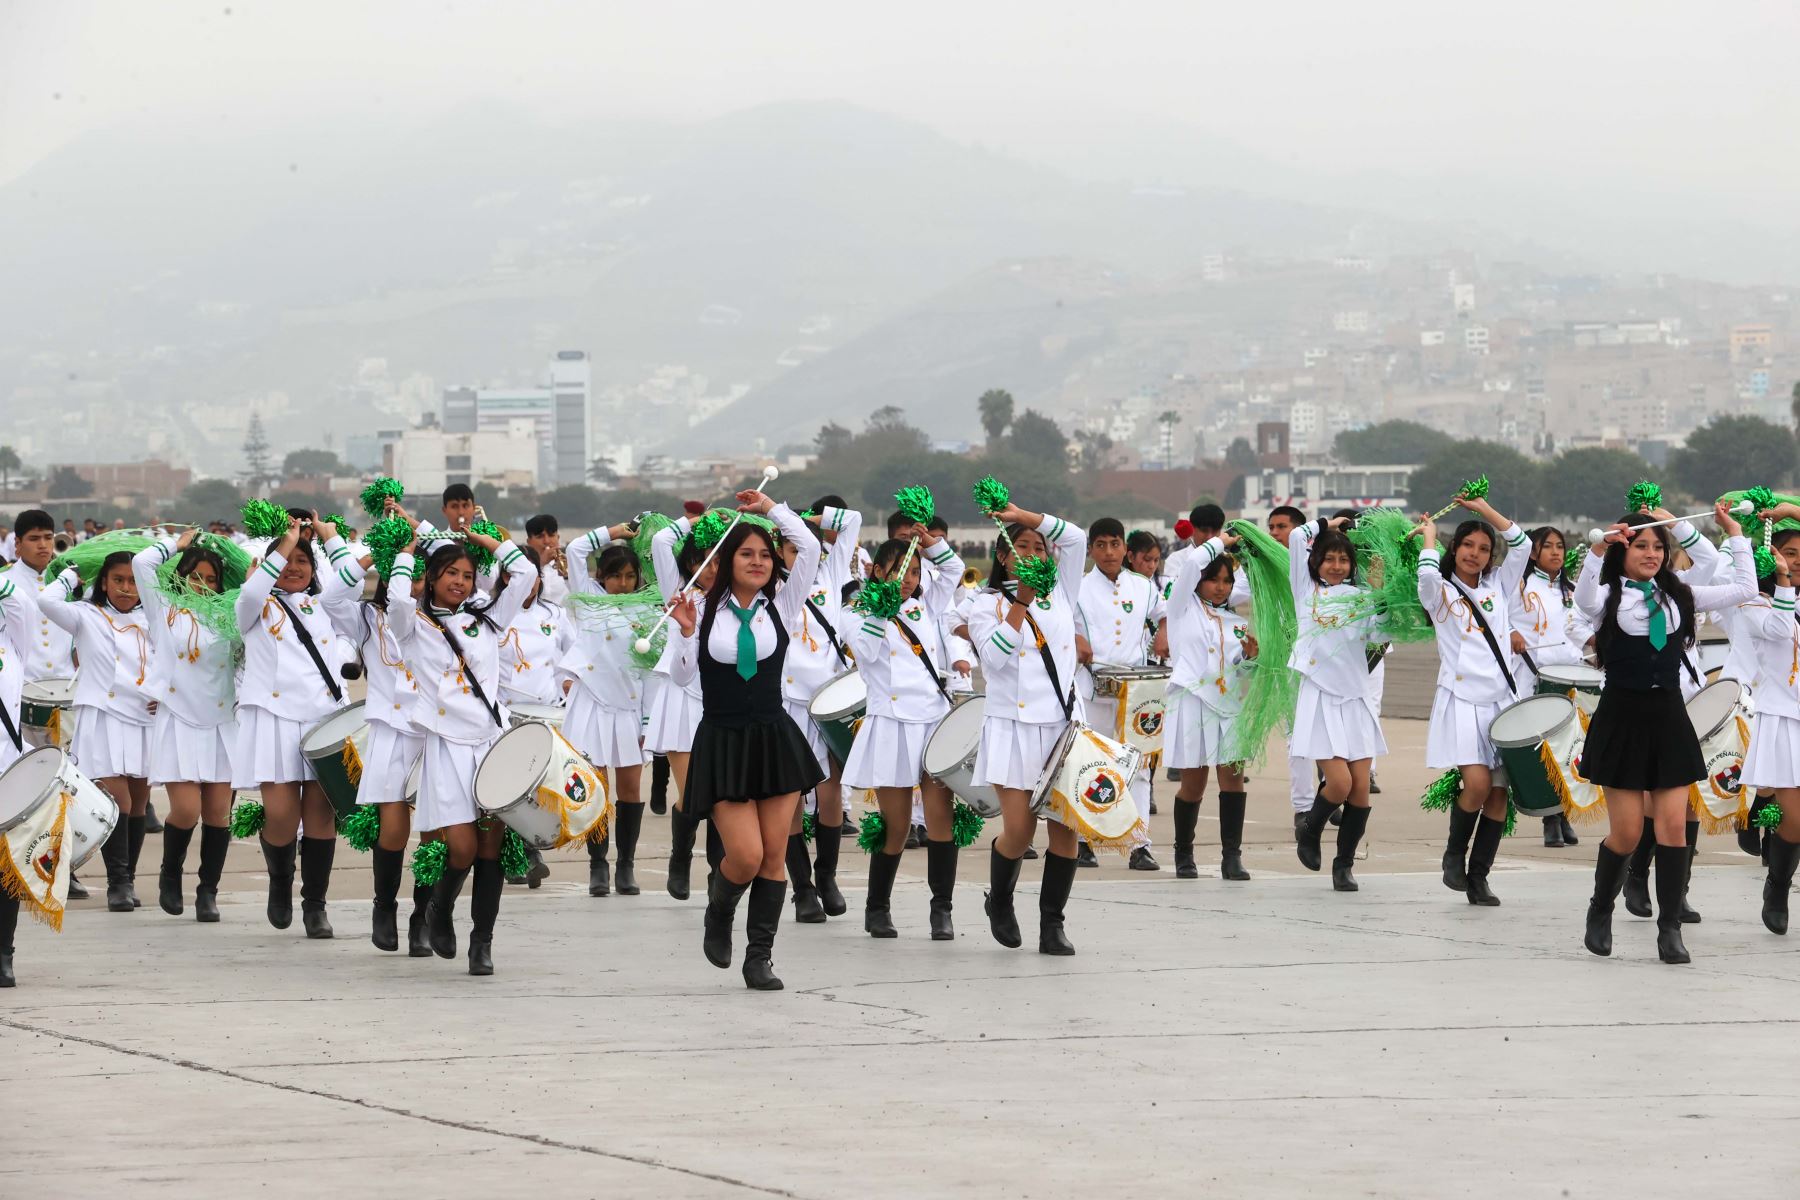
(914, 614)
(1730, 780)
(473, 630)
(1487, 604)
(1044, 604)
(547, 629)
(575, 788)
(1147, 722)
(1126, 605)
(1103, 792)
(817, 599)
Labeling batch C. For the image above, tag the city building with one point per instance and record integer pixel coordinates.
(430, 459)
(145, 485)
(1326, 487)
(556, 413)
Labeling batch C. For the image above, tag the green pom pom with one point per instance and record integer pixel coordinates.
(513, 859)
(1766, 817)
(1643, 497)
(1037, 573)
(428, 863)
(1512, 817)
(87, 557)
(880, 599)
(1765, 562)
(710, 528)
(361, 828)
(808, 822)
(247, 819)
(1441, 795)
(965, 825)
(1475, 489)
(916, 503)
(1572, 561)
(991, 495)
(385, 540)
(336, 519)
(871, 832)
(481, 556)
(1760, 498)
(377, 494)
(265, 519)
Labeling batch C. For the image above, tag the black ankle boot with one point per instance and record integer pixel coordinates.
(115, 852)
(1784, 856)
(316, 855)
(168, 880)
(878, 919)
(9, 925)
(280, 862)
(940, 870)
(1084, 856)
(762, 916)
(418, 935)
(599, 872)
(1637, 874)
(484, 908)
(1456, 849)
(1053, 897)
(1609, 877)
(1306, 836)
(827, 840)
(722, 898)
(1671, 882)
(628, 819)
(681, 853)
(659, 785)
(384, 923)
(1187, 819)
(1231, 836)
(807, 908)
(440, 925)
(1750, 834)
(1689, 915)
(1481, 860)
(136, 827)
(152, 823)
(1568, 832)
(1003, 877)
(215, 843)
(1350, 835)
(1553, 832)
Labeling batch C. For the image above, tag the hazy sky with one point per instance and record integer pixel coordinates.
(1576, 93)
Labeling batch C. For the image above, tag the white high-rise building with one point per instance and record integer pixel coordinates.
(556, 414)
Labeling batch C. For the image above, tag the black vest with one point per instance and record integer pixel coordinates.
(728, 698)
(1632, 662)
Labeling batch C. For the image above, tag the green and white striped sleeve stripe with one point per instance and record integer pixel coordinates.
(339, 554)
(873, 628)
(834, 518)
(1519, 540)
(6, 588)
(1780, 604)
(512, 557)
(1005, 644)
(273, 571)
(402, 570)
(350, 576)
(1057, 532)
(943, 555)
(1692, 537)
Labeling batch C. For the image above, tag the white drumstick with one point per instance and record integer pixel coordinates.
(643, 644)
(1741, 509)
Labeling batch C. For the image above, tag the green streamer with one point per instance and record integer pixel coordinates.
(1273, 686)
(217, 611)
(87, 556)
(513, 859)
(965, 825)
(247, 818)
(265, 519)
(428, 863)
(376, 495)
(1387, 557)
(361, 827)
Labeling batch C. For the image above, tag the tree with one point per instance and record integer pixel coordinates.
(1168, 419)
(256, 454)
(66, 484)
(888, 416)
(1512, 478)
(575, 504)
(601, 472)
(210, 500)
(1794, 407)
(832, 439)
(996, 414)
(1094, 450)
(1037, 438)
(1390, 442)
(9, 462)
(1242, 455)
(310, 462)
(1733, 452)
(1590, 484)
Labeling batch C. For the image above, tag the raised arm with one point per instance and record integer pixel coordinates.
(581, 554)
(340, 589)
(947, 568)
(521, 577)
(58, 603)
(1069, 543)
(402, 609)
(144, 566)
(792, 596)
(1774, 621)
(662, 555)
(261, 580)
(1711, 597)
(1300, 541)
(846, 523)
(1187, 579)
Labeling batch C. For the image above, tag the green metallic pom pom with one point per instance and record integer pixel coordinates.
(1760, 498)
(916, 503)
(1441, 795)
(965, 825)
(1765, 562)
(385, 540)
(1572, 561)
(710, 528)
(1512, 817)
(1475, 489)
(480, 555)
(871, 833)
(377, 494)
(336, 519)
(808, 822)
(1766, 817)
(247, 819)
(513, 859)
(991, 495)
(880, 599)
(265, 519)
(1643, 497)
(1037, 573)
(361, 828)
(428, 863)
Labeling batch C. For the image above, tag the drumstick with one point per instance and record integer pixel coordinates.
(1740, 509)
(643, 644)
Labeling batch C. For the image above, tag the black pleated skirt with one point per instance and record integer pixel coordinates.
(747, 760)
(1641, 741)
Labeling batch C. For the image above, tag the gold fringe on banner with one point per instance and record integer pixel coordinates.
(352, 761)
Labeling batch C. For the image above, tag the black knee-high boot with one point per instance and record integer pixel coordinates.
(1553, 830)
(1003, 877)
(1350, 836)
(384, 925)
(1689, 916)
(136, 827)
(1053, 897)
(168, 880)
(940, 870)
(1671, 882)
(215, 843)
(1609, 877)
(1312, 826)
(659, 784)
(1637, 873)
(878, 917)
(1456, 848)
(316, 855)
(681, 853)
(1784, 856)
(116, 853)
(827, 840)
(722, 898)
(807, 909)
(440, 914)
(280, 862)
(1231, 836)
(484, 907)
(1187, 819)
(628, 819)
(418, 932)
(1750, 834)
(9, 925)
(1481, 860)
(599, 872)
(762, 916)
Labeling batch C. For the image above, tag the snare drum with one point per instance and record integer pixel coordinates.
(1526, 734)
(40, 778)
(1087, 786)
(950, 754)
(1576, 681)
(45, 707)
(541, 786)
(1716, 712)
(547, 714)
(335, 748)
(837, 709)
(1141, 693)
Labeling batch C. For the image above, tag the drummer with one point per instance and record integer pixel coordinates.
(531, 656)
(1547, 630)
(902, 662)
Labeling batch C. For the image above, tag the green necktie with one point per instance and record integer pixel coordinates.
(1659, 623)
(746, 638)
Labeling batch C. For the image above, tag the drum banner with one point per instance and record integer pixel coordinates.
(33, 869)
(1140, 717)
(1582, 801)
(580, 800)
(1092, 793)
(1719, 801)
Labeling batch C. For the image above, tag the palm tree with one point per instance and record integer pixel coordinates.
(9, 459)
(1168, 419)
(996, 414)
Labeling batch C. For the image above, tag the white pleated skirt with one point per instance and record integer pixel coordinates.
(888, 753)
(1013, 754)
(106, 745)
(1773, 759)
(183, 753)
(268, 750)
(802, 716)
(1458, 734)
(387, 764)
(674, 716)
(609, 737)
(447, 783)
(1194, 733)
(1327, 726)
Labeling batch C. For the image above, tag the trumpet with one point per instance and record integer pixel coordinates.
(561, 561)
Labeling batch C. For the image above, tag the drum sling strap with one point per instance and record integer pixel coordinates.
(918, 649)
(468, 674)
(1067, 697)
(830, 633)
(1481, 623)
(312, 650)
(12, 731)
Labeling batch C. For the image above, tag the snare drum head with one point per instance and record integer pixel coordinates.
(328, 735)
(57, 693)
(1575, 675)
(1530, 721)
(527, 711)
(1713, 705)
(27, 781)
(839, 697)
(955, 736)
(513, 765)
